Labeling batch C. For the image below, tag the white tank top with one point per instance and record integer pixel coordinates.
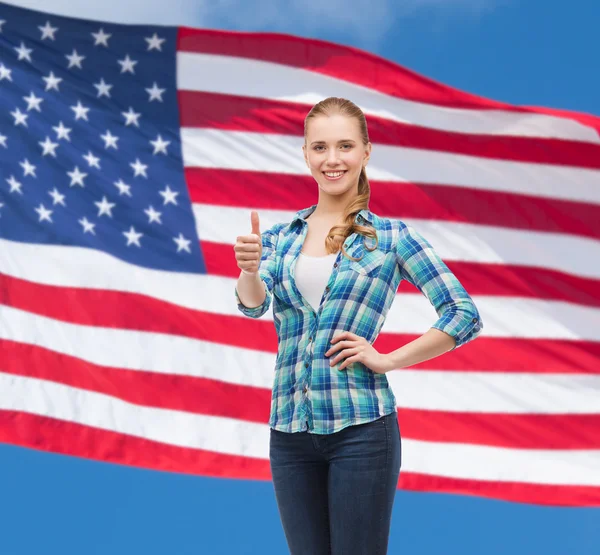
(312, 274)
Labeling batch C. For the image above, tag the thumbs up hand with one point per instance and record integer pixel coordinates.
(248, 248)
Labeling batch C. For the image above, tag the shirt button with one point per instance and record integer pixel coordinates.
(327, 288)
(474, 320)
(306, 364)
(335, 265)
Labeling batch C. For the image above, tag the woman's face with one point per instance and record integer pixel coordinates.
(335, 153)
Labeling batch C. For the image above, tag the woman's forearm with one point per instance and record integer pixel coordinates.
(251, 290)
(430, 345)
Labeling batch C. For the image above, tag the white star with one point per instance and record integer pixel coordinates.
(5, 73)
(154, 42)
(124, 189)
(33, 102)
(2, 22)
(153, 215)
(183, 244)
(74, 59)
(52, 81)
(131, 117)
(105, 207)
(20, 118)
(101, 38)
(80, 111)
(77, 177)
(47, 31)
(49, 147)
(28, 168)
(87, 226)
(103, 88)
(3, 140)
(109, 140)
(14, 185)
(139, 168)
(92, 160)
(169, 196)
(57, 198)
(62, 132)
(44, 213)
(160, 145)
(127, 64)
(24, 53)
(155, 93)
(133, 238)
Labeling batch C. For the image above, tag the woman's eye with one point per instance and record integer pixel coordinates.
(347, 145)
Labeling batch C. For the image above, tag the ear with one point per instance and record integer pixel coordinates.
(367, 154)
(305, 155)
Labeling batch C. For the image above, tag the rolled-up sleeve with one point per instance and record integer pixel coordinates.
(266, 271)
(421, 265)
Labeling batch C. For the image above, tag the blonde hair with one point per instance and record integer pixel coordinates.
(338, 233)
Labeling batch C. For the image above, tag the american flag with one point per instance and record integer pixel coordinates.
(131, 158)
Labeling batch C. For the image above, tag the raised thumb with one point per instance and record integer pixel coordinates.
(255, 222)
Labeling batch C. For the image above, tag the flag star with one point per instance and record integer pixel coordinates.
(133, 237)
(74, 59)
(49, 147)
(3, 140)
(127, 64)
(109, 140)
(92, 160)
(160, 145)
(2, 22)
(105, 207)
(80, 111)
(103, 88)
(131, 117)
(28, 168)
(154, 42)
(139, 168)
(183, 244)
(77, 177)
(169, 196)
(52, 81)
(62, 132)
(44, 213)
(101, 38)
(33, 102)
(87, 226)
(14, 185)
(5, 73)
(48, 31)
(20, 117)
(155, 93)
(124, 189)
(153, 215)
(57, 198)
(23, 52)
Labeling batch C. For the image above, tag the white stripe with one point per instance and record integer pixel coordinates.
(220, 74)
(236, 437)
(453, 241)
(511, 393)
(409, 314)
(240, 150)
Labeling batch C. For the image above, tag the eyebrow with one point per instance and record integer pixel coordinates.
(341, 141)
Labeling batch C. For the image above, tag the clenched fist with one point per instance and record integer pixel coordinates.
(248, 248)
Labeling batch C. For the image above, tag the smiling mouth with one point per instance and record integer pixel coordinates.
(334, 176)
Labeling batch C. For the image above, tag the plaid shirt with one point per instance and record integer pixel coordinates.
(308, 394)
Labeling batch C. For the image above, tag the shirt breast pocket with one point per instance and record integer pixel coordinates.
(370, 263)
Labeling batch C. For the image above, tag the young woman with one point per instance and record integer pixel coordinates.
(332, 275)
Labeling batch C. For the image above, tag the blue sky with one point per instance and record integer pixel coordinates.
(530, 52)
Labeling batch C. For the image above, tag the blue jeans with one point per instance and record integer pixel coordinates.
(335, 492)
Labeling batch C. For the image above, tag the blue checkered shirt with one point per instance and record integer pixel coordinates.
(310, 395)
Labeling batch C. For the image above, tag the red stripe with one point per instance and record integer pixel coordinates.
(252, 404)
(240, 113)
(477, 278)
(401, 200)
(48, 434)
(365, 69)
(139, 312)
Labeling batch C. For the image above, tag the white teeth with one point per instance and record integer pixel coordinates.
(333, 174)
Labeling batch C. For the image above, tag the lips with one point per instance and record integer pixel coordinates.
(334, 176)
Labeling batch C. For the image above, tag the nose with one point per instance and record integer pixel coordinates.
(333, 157)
